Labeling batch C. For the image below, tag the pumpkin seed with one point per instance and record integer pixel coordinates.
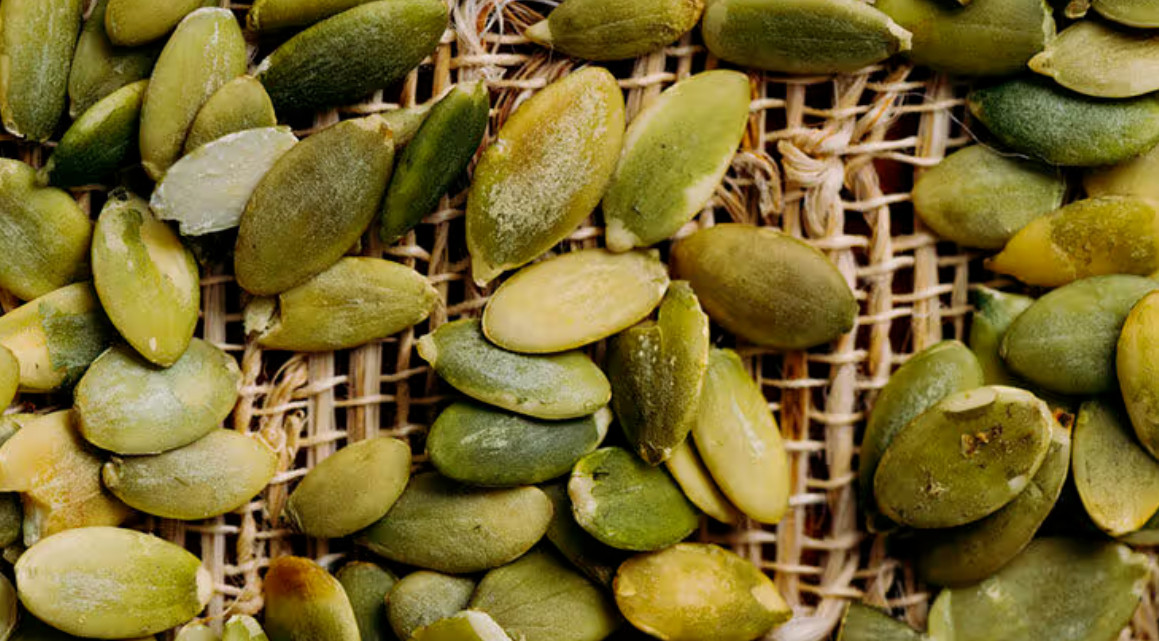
(734, 600)
(441, 525)
(146, 279)
(737, 437)
(469, 625)
(197, 632)
(313, 205)
(346, 57)
(405, 123)
(864, 623)
(994, 312)
(355, 301)
(765, 286)
(844, 35)
(1046, 593)
(11, 520)
(207, 190)
(1095, 59)
(111, 583)
(56, 336)
(545, 171)
(574, 299)
(964, 458)
(612, 30)
(98, 142)
(44, 234)
(1066, 340)
(206, 51)
(131, 23)
(128, 406)
(480, 446)
(441, 150)
(1134, 177)
(350, 489)
(1136, 371)
(1133, 13)
(241, 627)
(37, 40)
(99, 68)
(270, 15)
(367, 587)
(591, 557)
(539, 598)
(218, 473)
(609, 490)
(556, 386)
(240, 104)
(9, 377)
(1146, 535)
(421, 598)
(1034, 116)
(1116, 478)
(687, 468)
(303, 602)
(977, 197)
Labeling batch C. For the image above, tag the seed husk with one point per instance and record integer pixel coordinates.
(553, 387)
(689, 472)
(1065, 342)
(734, 600)
(480, 446)
(964, 458)
(350, 489)
(1095, 59)
(469, 625)
(1137, 371)
(44, 234)
(355, 301)
(305, 603)
(206, 51)
(864, 623)
(1134, 177)
(1034, 116)
(440, 525)
(346, 57)
(844, 35)
(593, 558)
(131, 23)
(99, 67)
(614, 30)
(545, 172)
(240, 104)
(1115, 477)
(197, 632)
(367, 586)
(540, 598)
(437, 156)
(37, 40)
(994, 313)
(8, 608)
(99, 141)
(574, 299)
(313, 205)
(626, 503)
(9, 377)
(218, 473)
(271, 15)
(421, 598)
(242, 627)
(1133, 13)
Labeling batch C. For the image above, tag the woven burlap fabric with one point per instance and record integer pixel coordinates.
(827, 159)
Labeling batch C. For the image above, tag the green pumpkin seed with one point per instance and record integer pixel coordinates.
(9, 377)
(994, 312)
(675, 154)
(271, 15)
(1116, 478)
(591, 557)
(128, 406)
(240, 104)
(970, 553)
(964, 458)
(441, 525)
(977, 197)
(44, 234)
(421, 598)
(765, 286)
(545, 172)
(11, 519)
(37, 40)
(355, 301)
(99, 68)
(56, 336)
(1134, 177)
(613, 30)
(1065, 342)
(132, 23)
(926, 378)
(243, 628)
(1034, 116)
(146, 279)
(556, 386)
(313, 205)
(350, 489)
(197, 632)
(734, 600)
(206, 51)
(609, 490)
(98, 142)
(480, 446)
(367, 587)
(216, 474)
(539, 598)
(1046, 593)
(845, 35)
(441, 150)
(864, 623)
(405, 123)
(304, 603)
(344, 58)
(1095, 59)
(687, 468)
(574, 299)
(1137, 371)
(1133, 13)
(464, 626)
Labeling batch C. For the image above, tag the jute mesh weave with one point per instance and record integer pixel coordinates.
(827, 159)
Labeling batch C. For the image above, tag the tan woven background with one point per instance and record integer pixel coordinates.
(828, 159)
